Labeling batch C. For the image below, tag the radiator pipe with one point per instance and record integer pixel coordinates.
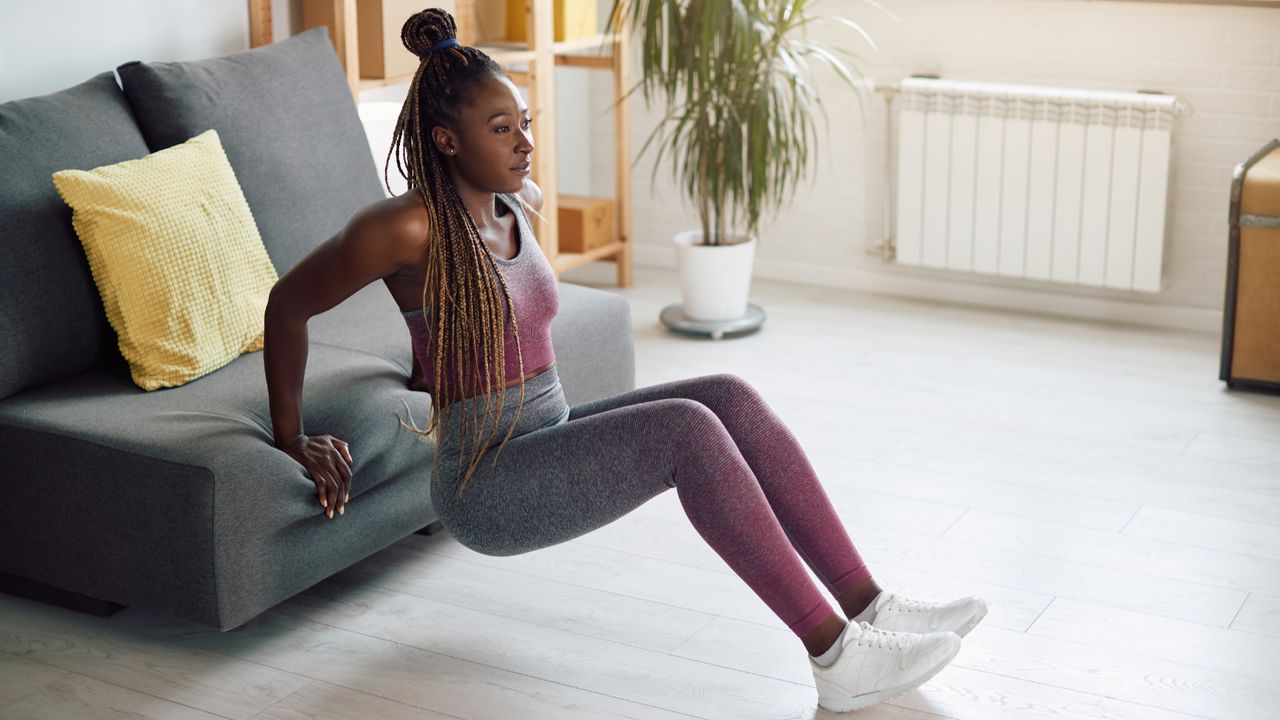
(886, 248)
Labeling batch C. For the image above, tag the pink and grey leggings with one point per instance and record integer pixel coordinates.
(740, 475)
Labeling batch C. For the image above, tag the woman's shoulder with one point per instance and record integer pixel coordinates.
(530, 194)
(405, 217)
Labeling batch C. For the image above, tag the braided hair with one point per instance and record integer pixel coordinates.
(464, 289)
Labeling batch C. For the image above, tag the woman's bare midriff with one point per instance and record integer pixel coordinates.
(510, 383)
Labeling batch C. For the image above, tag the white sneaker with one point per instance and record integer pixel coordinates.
(876, 664)
(894, 612)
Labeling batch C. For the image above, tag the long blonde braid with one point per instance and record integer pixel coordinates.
(462, 276)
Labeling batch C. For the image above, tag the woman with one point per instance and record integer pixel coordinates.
(457, 253)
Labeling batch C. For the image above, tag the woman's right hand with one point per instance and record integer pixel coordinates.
(327, 461)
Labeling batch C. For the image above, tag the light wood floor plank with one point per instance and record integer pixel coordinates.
(1121, 551)
(400, 671)
(1246, 451)
(1062, 578)
(1133, 685)
(1238, 494)
(1181, 641)
(966, 694)
(1257, 540)
(672, 543)
(21, 677)
(322, 701)
(76, 697)
(503, 591)
(1067, 506)
(1259, 614)
(612, 670)
(1124, 674)
(113, 653)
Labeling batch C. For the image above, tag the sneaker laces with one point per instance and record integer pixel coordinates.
(909, 605)
(880, 638)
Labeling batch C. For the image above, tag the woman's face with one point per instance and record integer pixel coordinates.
(492, 148)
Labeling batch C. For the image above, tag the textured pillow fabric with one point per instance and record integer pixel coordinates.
(177, 259)
(290, 127)
(52, 324)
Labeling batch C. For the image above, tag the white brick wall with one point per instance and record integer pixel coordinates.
(1224, 60)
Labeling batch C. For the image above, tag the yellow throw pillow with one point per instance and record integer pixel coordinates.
(176, 256)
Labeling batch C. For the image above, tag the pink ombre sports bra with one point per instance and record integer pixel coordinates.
(532, 284)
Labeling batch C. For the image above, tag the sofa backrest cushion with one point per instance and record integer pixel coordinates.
(290, 127)
(52, 322)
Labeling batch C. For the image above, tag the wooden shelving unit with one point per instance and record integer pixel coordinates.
(541, 56)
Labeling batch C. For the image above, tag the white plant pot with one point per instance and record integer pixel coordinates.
(714, 279)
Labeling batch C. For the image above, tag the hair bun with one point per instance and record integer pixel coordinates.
(426, 28)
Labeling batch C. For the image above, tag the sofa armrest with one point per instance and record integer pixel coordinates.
(595, 351)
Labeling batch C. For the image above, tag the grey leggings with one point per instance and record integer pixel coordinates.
(740, 474)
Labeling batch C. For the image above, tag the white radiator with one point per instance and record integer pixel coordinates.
(1054, 184)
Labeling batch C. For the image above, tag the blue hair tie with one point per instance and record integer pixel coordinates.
(447, 42)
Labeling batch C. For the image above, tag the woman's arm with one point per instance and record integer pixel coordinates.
(376, 242)
(285, 359)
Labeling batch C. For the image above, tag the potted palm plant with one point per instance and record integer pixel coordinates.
(735, 80)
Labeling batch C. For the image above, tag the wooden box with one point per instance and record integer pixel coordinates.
(572, 19)
(382, 52)
(585, 223)
(1251, 313)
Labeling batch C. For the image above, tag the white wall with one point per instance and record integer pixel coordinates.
(1224, 60)
(49, 45)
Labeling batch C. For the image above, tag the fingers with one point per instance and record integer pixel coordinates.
(345, 448)
(337, 481)
(343, 485)
(333, 480)
(322, 488)
(330, 490)
(335, 492)
(344, 471)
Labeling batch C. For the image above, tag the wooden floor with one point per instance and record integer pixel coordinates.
(1118, 508)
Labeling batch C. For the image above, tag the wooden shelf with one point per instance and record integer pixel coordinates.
(543, 51)
(569, 260)
(567, 53)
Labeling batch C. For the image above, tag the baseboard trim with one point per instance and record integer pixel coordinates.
(993, 293)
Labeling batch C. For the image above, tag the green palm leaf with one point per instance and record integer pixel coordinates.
(736, 77)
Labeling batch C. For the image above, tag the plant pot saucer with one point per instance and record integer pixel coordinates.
(674, 318)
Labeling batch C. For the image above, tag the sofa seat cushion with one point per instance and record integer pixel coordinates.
(51, 316)
(221, 422)
(189, 476)
(289, 124)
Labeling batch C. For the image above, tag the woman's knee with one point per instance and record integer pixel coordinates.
(687, 415)
(728, 394)
(735, 386)
(699, 434)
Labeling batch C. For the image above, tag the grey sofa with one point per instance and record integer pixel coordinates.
(175, 500)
